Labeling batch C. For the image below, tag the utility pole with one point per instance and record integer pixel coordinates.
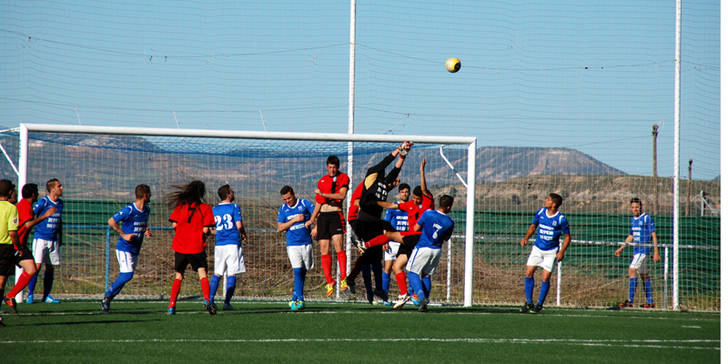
(654, 166)
(690, 181)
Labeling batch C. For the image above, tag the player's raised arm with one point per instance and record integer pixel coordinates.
(423, 183)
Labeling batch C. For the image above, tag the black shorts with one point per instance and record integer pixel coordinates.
(9, 258)
(368, 230)
(408, 245)
(329, 224)
(197, 261)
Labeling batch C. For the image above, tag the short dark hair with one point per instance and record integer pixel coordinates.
(224, 191)
(557, 199)
(446, 201)
(29, 190)
(417, 191)
(286, 189)
(636, 200)
(403, 186)
(332, 159)
(51, 183)
(6, 188)
(141, 190)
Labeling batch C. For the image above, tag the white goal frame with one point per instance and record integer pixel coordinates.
(470, 142)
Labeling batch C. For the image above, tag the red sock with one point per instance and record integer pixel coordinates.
(378, 240)
(175, 292)
(341, 257)
(205, 284)
(408, 233)
(401, 282)
(22, 282)
(326, 265)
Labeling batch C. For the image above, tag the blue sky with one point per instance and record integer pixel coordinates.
(589, 75)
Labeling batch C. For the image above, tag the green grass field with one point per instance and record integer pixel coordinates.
(349, 332)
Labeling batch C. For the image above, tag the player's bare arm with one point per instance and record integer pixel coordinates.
(283, 226)
(656, 255)
(564, 246)
(241, 228)
(423, 183)
(115, 226)
(529, 233)
(36, 221)
(619, 250)
(148, 233)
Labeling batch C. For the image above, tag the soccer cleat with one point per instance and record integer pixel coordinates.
(423, 306)
(292, 305)
(106, 304)
(329, 289)
(227, 307)
(646, 305)
(171, 311)
(300, 305)
(387, 303)
(359, 245)
(50, 299)
(343, 286)
(415, 300)
(12, 305)
(626, 303)
(526, 307)
(401, 301)
(29, 299)
(210, 307)
(351, 284)
(2, 324)
(535, 309)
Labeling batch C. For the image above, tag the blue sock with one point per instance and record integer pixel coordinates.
(229, 289)
(298, 277)
(214, 283)
(31, 283)
(385, 282)
(528, 289)
(47, 282)
(119, 284)
(648, 290)
(544, 291)
(632, 288)
(427, 285)
(416, 284)
(366, 275)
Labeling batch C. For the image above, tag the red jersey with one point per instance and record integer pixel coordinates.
(356, 195)
(190, 219)
(25, 214)
(328, 184)
(414, 211)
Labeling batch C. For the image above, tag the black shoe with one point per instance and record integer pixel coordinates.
(210, 307)
(106, 304)
(351, 282)
(527, 307)
(381, 294)
(535, 309)
(626, 303)
(423, 306)
(2, 324)
(12, 305)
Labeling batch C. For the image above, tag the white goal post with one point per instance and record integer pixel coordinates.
(467, 142)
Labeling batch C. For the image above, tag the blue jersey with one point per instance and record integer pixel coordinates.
(298, 233)
(549, 229)
(226, 217)
(397, 218)
(641, 229)
(48, 228)
(436, 228)
(131, 220)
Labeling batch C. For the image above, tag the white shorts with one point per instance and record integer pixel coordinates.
(542, 258)
(639, 263)
(423, 261)
(391, 252)
(127, 261)
(301, 256)
(46, 252)
(229, 258)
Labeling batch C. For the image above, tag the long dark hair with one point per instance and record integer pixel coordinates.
(187, 194)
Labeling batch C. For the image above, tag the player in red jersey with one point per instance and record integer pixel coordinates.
(191, 220)
(329, 216)
(24, 256)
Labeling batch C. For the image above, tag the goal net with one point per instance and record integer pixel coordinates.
(100, 166)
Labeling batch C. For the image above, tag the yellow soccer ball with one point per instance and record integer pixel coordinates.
(452, 65)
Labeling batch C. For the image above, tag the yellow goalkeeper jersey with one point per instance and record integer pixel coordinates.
(8, 221)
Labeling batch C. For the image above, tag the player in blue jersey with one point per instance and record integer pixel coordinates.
(294, 217)
(229, 231)
(47, 239)
(549, 224)
(642, 234)
(131, 224)
(436, 228)
(399, 220)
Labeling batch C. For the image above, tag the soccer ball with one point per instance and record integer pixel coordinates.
(452, 65)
